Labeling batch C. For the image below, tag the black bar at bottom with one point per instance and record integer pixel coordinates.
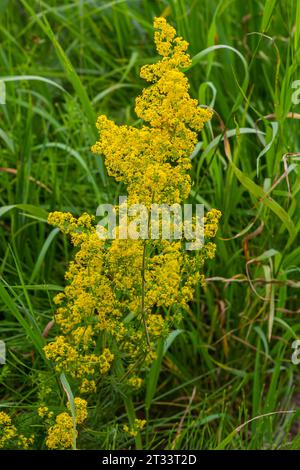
(136, 459)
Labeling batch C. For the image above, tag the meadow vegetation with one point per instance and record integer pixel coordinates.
(222, 375)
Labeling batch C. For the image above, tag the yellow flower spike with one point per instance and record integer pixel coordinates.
(124, 294)
(154, 160)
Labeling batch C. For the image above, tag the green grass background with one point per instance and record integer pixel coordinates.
(65, 62)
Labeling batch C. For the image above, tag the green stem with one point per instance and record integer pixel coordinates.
(131, 418)
(143, 295)
(127, 398)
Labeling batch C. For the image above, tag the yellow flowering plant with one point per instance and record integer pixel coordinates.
(123, 296)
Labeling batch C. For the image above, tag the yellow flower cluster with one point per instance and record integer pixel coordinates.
(9, 435)
(139, 424)
(135, 382)
(44, 412)
(63, 433)
(80, 409)
(153, 161)
(122, 295)
(105, 286)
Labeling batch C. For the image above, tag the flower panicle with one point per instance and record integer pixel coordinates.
(117, 304)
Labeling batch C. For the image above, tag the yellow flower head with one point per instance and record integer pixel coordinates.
(122, 295)
(153, 161)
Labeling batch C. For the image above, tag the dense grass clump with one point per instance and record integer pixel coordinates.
(225, 377)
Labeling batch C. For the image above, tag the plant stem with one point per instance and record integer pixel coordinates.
(127, 398)
(143, 294)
